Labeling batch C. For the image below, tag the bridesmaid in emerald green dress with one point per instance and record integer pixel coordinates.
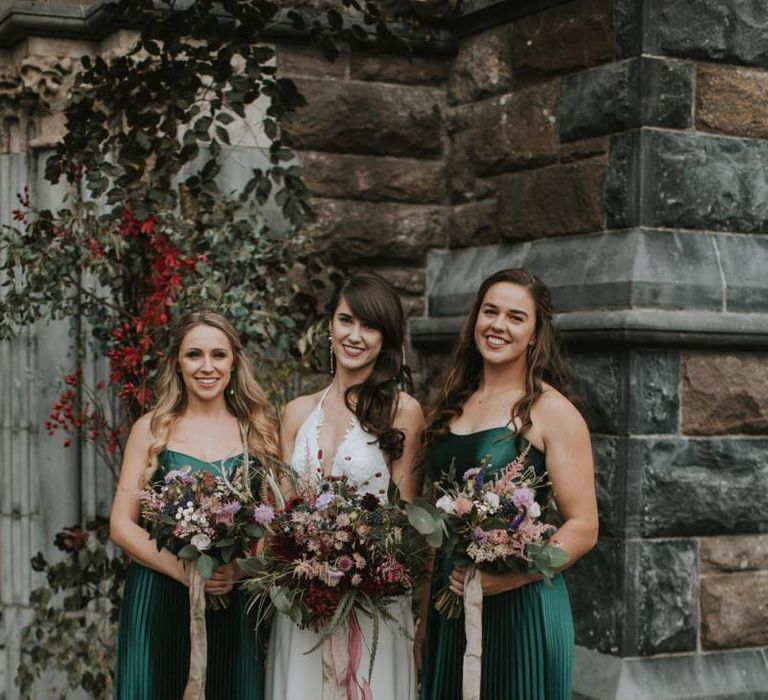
(209, 413)
(507, 391)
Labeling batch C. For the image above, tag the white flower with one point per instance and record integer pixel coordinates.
(445, 503)
(200, 542)
(492, 499)
(535, 510)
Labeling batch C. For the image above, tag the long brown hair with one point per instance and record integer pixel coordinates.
(244, 398)
(374, 402)
(544, 362)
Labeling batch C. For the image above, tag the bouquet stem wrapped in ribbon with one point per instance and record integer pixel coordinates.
(489, 520)
(332, 552)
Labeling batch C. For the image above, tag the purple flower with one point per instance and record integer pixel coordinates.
(479, 480)
(182, 475)
(324, 500)
(263, 515)
(523, 497)
(479, 534)
(226, 514)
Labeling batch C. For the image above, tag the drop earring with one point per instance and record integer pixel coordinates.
(331, 356)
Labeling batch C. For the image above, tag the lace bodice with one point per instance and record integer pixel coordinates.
(358, 456)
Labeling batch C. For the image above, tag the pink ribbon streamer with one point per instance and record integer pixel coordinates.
(355, 654)
(341, 655)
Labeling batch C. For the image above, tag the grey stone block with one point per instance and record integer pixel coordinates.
(595, 587)
(626, 269)
(664, 578)
(729, 31)
(744, 262)
(637, 597)
(629, 392)
(609, 454)
(701, 486)
(654, 402)
(626, 95)
(689, 181)
(732, 675)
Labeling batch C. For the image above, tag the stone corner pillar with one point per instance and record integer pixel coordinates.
(618, 149)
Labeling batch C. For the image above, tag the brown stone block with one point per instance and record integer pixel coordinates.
(725, 394)
(482, 67)
(388, 68)
(734, 610)
(353, 232)
(374, 179)
(585, 148)
(473, 223)
(732, 100)
(357, 117)
(309, 61)
(508, 131)
(733, 553)
(552, 201)
(408, 280)
(565, 38)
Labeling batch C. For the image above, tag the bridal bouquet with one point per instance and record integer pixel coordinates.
(206, 518)
(491, 521)
(331, 550)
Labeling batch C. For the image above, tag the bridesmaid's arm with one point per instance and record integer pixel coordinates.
(571, 471)
(405, 472)
(124, 529)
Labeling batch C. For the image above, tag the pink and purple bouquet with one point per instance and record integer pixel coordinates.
(490, 519)
(206, 518)
(331, 550)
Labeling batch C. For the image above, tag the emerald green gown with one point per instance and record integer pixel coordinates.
(153, 632)
(528, 637)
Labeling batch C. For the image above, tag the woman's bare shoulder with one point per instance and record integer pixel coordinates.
(297, 410)
(553, 407)
(408, 409)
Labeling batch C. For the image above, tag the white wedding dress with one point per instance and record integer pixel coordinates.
(293, 675)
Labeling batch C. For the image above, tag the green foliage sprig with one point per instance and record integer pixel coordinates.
(74, 613)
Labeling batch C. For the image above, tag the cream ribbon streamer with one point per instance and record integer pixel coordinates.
(342, 652)
(198, 638)
(335, 663)
(473, 628)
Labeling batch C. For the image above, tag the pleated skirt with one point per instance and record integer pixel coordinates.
(153, 643)
(528, 644)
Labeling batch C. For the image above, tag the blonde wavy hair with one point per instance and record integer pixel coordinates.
(246, 400)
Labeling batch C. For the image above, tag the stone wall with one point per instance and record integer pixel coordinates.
(617, 148)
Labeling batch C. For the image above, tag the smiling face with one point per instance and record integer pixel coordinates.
(206, 361)
(506, 323)
(355, 344)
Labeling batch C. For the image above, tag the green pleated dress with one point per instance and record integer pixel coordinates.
(528, 637)
(153, 632)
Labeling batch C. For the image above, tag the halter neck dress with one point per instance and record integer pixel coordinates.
(291, 673)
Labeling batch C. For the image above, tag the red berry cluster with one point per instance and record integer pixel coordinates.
(73, 415)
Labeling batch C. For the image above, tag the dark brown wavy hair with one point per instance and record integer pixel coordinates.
(545, 361)
(374, 402)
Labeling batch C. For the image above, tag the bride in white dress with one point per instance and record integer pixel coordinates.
(364, 427)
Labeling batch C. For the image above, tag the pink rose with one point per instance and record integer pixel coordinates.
(462, 506)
